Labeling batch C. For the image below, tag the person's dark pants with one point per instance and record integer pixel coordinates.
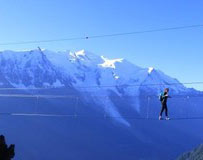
(164, 107)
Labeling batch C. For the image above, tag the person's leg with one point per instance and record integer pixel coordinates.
(162, 109)
(166, 110)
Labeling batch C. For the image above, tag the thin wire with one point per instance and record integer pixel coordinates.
(106, 107)
(39, 114)
(26, 88)
(141, 85)
(36, 96)
(146, 31)
(100, 117)
(104, 96)
(103, 35)
(36, 104)
(109, 86)
(148, 99)
(42, 41)
(76, 107)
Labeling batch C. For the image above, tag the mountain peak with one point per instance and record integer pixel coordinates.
(84, 55)
(80, 53)
(110, 63)
(82, 67)
(150, 70)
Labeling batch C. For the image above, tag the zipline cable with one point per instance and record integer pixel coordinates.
(146, 31)
(103, 35)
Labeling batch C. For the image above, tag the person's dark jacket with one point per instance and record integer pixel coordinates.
(165, 97)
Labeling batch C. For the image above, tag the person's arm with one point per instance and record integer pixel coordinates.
(167, 96)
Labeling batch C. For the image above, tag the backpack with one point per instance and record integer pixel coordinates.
(161, 97)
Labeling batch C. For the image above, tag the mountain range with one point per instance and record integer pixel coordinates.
(112, 105)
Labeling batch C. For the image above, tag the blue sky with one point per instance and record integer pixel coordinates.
(179, 53)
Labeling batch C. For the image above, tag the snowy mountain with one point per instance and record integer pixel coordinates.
(112, 107)
(86, 73)
(44, 68)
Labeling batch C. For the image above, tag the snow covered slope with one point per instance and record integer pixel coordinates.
(44, 68)
(85, 72)
(104, 94)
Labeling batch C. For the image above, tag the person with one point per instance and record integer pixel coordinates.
(163, 98)
(6, 153)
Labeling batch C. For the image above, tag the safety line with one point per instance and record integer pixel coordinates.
(100, 117)
(94, 96)
(37, 96)
(108, 86)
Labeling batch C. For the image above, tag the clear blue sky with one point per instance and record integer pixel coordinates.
(178, 53)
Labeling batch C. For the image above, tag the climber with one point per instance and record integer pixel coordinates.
(163, 98)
